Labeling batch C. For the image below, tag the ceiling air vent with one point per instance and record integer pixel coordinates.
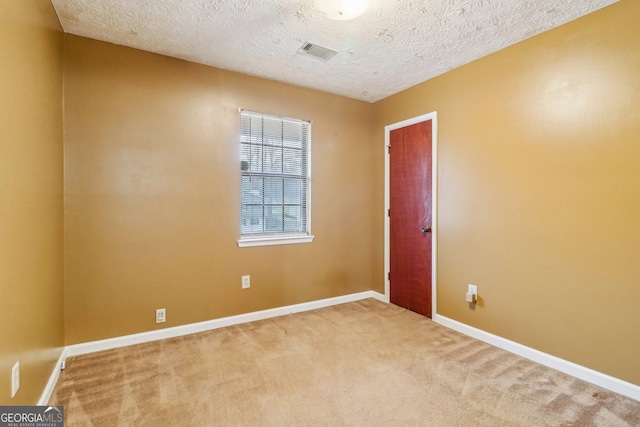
(316, 51)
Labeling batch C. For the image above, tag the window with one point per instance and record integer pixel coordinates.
(274, 187)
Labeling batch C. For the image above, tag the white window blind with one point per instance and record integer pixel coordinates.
(274, 154)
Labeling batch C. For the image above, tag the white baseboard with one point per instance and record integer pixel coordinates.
(53, 380)
(379, 296)
(602, 380)
(110, 343)
(605, 381)
(93, 346)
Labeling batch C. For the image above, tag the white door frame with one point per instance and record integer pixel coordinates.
(434, 204)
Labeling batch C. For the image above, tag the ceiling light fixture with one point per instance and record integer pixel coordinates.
(341, 10)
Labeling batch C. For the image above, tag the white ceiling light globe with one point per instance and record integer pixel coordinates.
(341, 10)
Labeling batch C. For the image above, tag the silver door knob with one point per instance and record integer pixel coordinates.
(425, 229)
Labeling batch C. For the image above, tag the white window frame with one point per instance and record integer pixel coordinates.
(268, 239)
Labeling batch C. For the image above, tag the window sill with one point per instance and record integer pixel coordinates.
(249, 242)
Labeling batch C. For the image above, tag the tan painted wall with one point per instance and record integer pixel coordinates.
(539, 189)
(538, 192)
(152, 194)
(31, 166)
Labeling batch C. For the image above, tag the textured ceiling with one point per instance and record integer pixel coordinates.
(394, 45)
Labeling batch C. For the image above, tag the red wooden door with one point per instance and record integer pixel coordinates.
(410, 217)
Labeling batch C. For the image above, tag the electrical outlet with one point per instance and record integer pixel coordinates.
(15, 379)
(472, 294)
(246, 282)
(161, 315)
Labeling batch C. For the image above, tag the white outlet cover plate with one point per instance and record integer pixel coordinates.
(161, 315)
(473, 289)
(246, 282)
(15, 379)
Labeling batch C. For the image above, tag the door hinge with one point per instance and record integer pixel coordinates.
(389, 276)
(388, 149)
(388, 212)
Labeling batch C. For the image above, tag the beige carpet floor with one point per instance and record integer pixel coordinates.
(358, 364)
